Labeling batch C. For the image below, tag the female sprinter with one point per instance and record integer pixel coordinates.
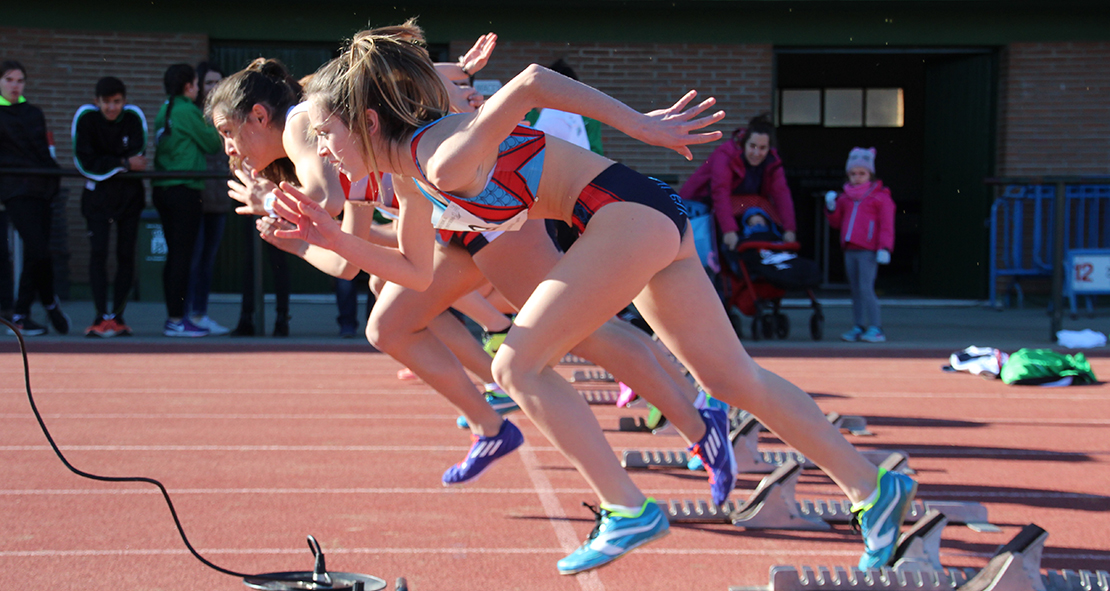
(241, 108)
(380, 108)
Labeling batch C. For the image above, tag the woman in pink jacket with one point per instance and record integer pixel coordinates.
(747, 166)
(864, 212)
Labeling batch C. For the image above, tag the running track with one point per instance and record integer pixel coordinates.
(261, 447)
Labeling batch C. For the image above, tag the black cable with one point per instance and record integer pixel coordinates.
(165, 494)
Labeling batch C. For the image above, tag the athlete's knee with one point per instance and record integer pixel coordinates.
(380, 333)
(735, 383)
(511, 370)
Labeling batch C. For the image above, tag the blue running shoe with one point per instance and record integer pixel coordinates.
(716, 454)
(880, 520)
(484, 451)
(500, 402)
(614, 535)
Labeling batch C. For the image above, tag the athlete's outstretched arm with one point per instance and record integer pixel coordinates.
(479, 134)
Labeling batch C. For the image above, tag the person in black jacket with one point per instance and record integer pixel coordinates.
(109, 137)
(23, 144)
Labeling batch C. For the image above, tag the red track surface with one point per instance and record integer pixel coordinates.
(260, 448)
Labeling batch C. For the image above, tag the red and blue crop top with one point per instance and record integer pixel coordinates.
(509, 192)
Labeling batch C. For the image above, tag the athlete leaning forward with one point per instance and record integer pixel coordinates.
(380, 108)
(243, 109)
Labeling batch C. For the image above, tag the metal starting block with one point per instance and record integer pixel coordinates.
(853, 424)
(572, 359)
(1015, 567)
(773, 505)
(592, 375)
(749, 459)
(600, 396)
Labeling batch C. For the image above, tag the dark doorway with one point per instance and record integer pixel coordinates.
(937, 104)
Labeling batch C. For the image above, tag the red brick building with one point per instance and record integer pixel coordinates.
(980, 88)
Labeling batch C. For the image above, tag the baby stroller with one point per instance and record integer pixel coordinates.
(756, 276)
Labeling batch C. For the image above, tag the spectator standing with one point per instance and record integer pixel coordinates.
(576, 129)
(740, 173)
(183, 138)
(27, 199)
(216, 205)
(109, 138)
(864, 212)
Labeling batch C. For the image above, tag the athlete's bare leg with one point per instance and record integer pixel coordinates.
(398, 326)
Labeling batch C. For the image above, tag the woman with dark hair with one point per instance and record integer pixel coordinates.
(23, 144)
(742, 173)
(183, 138)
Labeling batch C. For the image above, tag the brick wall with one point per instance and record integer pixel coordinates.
(62, 69)
(650, 76)
(1055, 109)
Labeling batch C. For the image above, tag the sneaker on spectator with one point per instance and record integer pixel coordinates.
(103, 327)
(499, 400)
(214, 328)
(615, 534)
(183, 328)
(873, 334)
(28, 327)
(853, 335)
(880, 517)
(715, 452)
(348, 331)
(58, 318)
(484, 451)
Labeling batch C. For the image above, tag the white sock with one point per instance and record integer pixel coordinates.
(699, 402)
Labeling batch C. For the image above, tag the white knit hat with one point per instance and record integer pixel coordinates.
(861, 158)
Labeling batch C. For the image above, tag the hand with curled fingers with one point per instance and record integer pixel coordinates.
(250, 190)
(267, 226)
(477, 56)
(308, 220)
(673, 127)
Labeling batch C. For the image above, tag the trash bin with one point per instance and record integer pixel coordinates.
(152, 257)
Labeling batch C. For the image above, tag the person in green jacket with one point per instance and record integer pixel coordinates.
(182, 140)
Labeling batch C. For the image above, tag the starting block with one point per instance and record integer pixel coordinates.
(600, 396)
(592, 375)
(749, 459)
(773, 505)
(1015, 567)
(853, 424)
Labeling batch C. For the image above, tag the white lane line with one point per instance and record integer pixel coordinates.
(568, 540)
(1032, 421)
(233, 417)
(201, 390)
(761, 551)
(926, 451)
(663, 494)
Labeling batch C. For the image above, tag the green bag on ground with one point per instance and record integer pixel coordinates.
(1044, 366)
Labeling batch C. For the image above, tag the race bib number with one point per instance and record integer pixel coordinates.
(457, 219)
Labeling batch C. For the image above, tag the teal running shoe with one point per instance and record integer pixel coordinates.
(614, 535)
(695, 464)
(484, 451)
(881, 520)
(500, 402)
